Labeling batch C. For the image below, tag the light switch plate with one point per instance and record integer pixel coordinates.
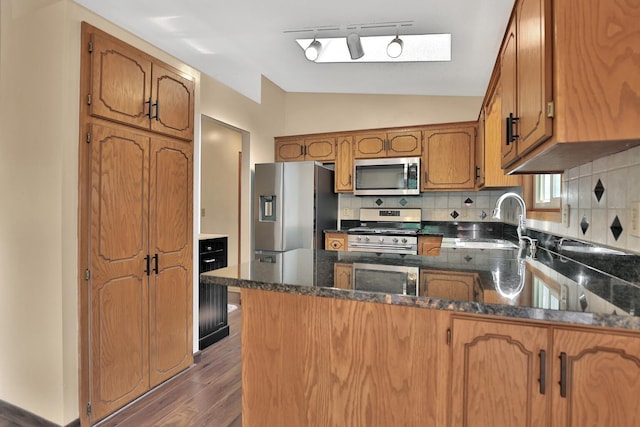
(635, 219)
(201, 211)
(565, 215)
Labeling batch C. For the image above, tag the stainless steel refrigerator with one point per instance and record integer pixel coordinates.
(293, 203)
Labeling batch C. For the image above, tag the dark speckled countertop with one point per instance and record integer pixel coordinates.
(548, 287)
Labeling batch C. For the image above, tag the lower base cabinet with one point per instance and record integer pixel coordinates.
(519, 374)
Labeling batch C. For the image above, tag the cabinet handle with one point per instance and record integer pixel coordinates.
(157, 105)
(148, 104)
(543, 370)
(511, 121)
(563, 374)
(209, 261)
(148, 261)
(155, 262)
(426, 177)
(302, 150)
(448, 336)
(477, 173)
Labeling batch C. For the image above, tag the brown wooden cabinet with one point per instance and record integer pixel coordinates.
(599, 378)
(493, 174)
(449, 285)
(429, 245)
(519, 373)
(495, 373)
(140, 263)
(133, 88)
(322, 149)
(448, 159)
(343, 180)
(335, 241)
(343, 276)
(136, 223)
(567, 79)
(400, 143)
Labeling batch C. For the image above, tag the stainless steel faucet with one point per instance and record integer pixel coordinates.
(522, 219)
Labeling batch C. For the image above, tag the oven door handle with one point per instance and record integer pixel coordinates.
(356, 245)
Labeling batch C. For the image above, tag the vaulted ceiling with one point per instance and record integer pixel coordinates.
(236, 42)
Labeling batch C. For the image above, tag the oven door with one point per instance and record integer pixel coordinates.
(388, 279)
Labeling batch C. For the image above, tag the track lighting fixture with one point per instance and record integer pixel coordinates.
(354, 45)
(394, 48)
(313, 50)
(356, 48)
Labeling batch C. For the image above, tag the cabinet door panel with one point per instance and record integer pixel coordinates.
(448, 285)
(343, 276)
(508, 76)
(370, 146)
(494, 139)
(534, 73)
(120, 82)
(170, 217)
(602, 379)
(173, 97)
(323, 149)
(344, 165)
(119, 286)
(495, 370)
(289, 150)
(449, 159)
(404, 144)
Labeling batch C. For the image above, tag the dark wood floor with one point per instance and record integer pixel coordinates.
(207, 394)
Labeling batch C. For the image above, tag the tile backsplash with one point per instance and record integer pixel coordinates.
(600, 195)
(471, 206)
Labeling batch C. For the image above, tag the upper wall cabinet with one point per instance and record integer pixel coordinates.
(448, 160)
(343, 181)
(322, 149)
(570, 86)
(402, 143)
(130, 87)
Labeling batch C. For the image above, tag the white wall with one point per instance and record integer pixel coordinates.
(219, 180)
(315, 113)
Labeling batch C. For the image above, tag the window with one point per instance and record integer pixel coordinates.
(547, 191)
(543, 195)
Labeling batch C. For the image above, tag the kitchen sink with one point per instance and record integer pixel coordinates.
(470, 243)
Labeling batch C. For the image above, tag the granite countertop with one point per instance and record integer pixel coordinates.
(547, 287)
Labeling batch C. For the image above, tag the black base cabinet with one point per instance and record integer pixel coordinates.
(212, 306)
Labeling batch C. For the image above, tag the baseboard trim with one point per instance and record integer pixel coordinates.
(22, 417)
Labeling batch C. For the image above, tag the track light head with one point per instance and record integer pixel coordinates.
(354, 45)
(313, 50)
(394, 48)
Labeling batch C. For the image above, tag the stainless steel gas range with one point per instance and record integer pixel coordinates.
(386, 231)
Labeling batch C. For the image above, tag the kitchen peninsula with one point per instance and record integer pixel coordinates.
(532, 341)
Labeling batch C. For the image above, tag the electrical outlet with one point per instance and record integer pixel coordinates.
(565, 215)
(347, 213)
(635, 219)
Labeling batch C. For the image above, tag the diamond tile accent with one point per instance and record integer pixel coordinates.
(403, 202)
(468, 202)
(468, 258)
(616, 228)
(454, 214)
(584, 225)
(379, 202)
(483, 215)
(598, 190)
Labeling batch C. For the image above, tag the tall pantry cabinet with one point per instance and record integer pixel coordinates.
(136, 210)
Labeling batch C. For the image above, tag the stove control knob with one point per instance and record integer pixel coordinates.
(366, 239)
(381, 239)
(358, 238)
(395, 240)
(404, 240)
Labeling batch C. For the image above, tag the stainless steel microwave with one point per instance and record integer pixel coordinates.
(384, 177)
